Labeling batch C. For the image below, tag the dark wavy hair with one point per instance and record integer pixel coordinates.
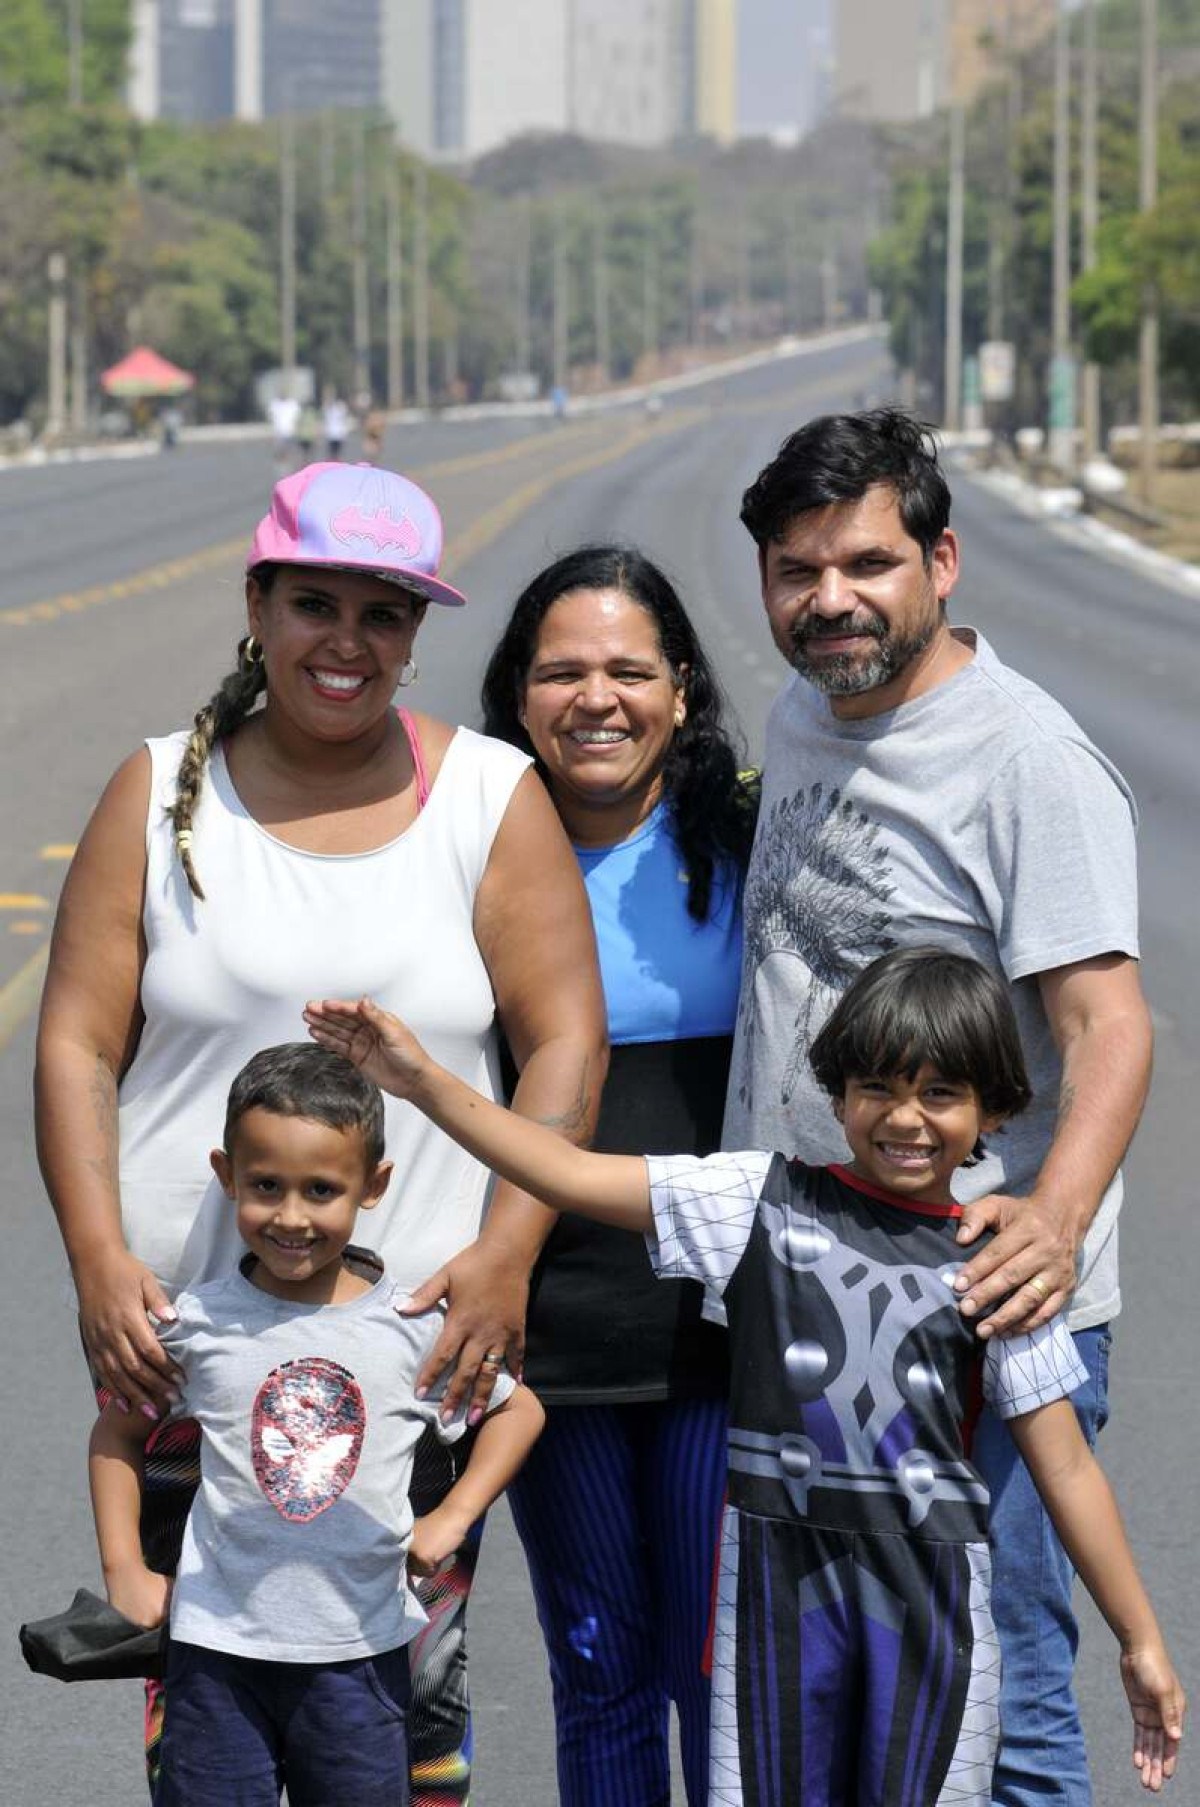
(919, 1004)
(838, 458)
(713, 810)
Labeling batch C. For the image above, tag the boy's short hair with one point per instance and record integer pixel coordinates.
(838, 458)
(298, 1079)
(921, 1004)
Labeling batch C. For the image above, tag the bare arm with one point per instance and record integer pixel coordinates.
(534, 929)
(1102, 1028)
(115, 1472)
(503, 1441)
(89, 1028)
(611, 1188)
(1081, 1504)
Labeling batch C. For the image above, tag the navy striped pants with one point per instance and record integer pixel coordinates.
(619, 1511)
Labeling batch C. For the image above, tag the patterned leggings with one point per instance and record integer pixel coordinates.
(440, 1715)
(619, 1510)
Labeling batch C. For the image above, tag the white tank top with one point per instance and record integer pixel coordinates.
(229, 975)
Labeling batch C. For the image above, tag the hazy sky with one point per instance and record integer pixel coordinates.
(781, 45)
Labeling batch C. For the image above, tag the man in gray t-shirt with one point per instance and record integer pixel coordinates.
(918, 791)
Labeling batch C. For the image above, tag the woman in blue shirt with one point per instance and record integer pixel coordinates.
(600, 675)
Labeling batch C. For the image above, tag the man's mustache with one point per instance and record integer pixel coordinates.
(806, 632)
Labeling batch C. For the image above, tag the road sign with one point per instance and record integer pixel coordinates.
(997, 370)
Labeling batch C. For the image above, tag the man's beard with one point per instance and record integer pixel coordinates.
(851, 674)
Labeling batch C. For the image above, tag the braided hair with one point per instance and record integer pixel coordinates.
(713, 808)
(226, 710)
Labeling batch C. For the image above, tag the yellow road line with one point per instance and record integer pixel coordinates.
(157, 577)
(22, 900)
(58, 850)
(489, 525)
(21, 993)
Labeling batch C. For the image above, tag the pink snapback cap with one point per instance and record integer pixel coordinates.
(354, 517)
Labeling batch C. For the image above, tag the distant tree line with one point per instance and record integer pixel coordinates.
(1008, 223)
(564, 257)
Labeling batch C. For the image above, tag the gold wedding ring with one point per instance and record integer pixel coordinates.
(1039, 1287)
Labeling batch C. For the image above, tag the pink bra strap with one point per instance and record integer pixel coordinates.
(418, 758)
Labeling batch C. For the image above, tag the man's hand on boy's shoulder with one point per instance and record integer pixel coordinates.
(1029, 1265)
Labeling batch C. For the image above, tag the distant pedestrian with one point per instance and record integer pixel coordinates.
(374, 427)
(283, 412)
(308, 428)
(337, 421)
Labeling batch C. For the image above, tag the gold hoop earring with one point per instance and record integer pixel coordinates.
(250, 651)
(408, 672)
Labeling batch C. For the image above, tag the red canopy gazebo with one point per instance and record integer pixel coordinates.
(143, 373)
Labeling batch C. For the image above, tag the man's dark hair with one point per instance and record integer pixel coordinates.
(298, 1079)
(918, 1005)
(838, 458)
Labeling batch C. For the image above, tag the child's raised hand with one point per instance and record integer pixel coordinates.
(372, 1038)
(1157, 1703)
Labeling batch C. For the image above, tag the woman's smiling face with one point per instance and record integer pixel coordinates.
(601, 705)
(334, 643)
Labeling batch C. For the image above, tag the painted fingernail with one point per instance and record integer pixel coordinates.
(420, 1392)
(474, 1416)
(122, 1405)
(148, 1411)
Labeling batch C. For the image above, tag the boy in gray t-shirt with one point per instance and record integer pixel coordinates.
(291, 1610)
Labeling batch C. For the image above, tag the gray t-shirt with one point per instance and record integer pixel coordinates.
(977, 817)
(295, 1546)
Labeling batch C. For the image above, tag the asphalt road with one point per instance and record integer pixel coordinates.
(137, 621)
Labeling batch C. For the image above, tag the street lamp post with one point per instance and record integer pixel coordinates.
(1062, 365)
(952, 376)
(1148, 399)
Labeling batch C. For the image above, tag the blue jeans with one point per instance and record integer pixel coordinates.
(237, 1730)
(1042, 1757)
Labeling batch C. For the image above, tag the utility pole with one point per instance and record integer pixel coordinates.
(1148, 398)
(421, 282)
(74, 53)
(56, 346)
(77, 329)
(696, 283)
(395, 293)
(1090, 214)
(952, 370)
(560, 301)
(287, 247)
(829, 295)
(649, 296)
(603, 336)
(523, 241)
(358, 268)
(1062, 366)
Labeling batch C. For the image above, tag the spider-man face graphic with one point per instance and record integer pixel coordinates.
(306, 1436)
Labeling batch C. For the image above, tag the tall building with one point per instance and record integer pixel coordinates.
(904, 59)
(459, 77)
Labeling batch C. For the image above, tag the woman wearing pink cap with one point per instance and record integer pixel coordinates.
(323, 843)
